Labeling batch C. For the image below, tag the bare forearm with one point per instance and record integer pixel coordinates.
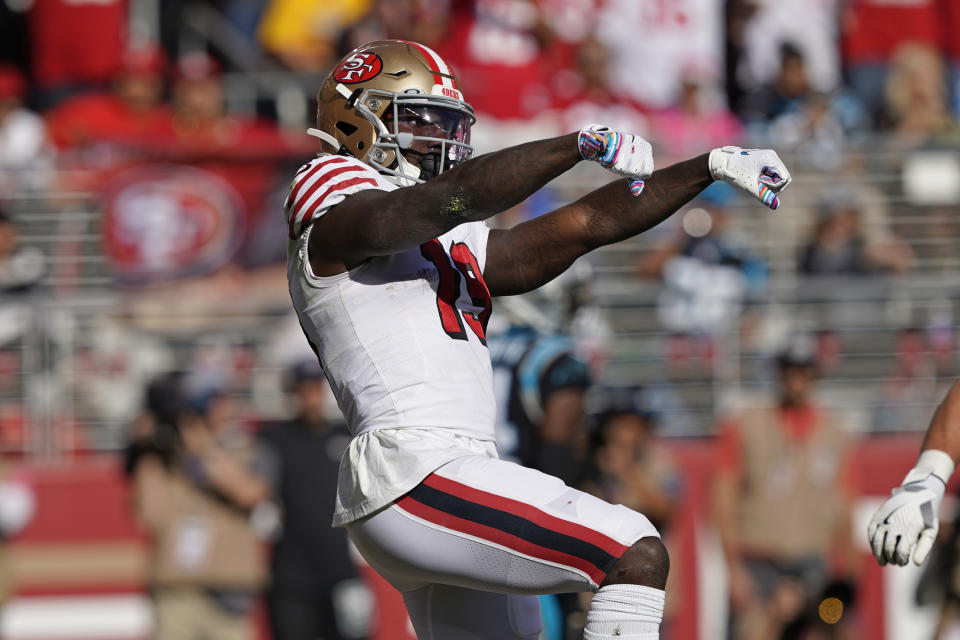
(656, 502)
(539, 250)
(494, 182)
(234, 481)
(944, 430)
(613, 213)
(475, 190)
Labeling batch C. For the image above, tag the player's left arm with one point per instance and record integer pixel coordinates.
(531, 254)
(906, 525)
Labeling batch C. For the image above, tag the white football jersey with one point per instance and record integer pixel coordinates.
(401, 337)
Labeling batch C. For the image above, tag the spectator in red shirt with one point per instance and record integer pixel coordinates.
(872, 30)
(243, 151)
(497, 49)
(131, 115)
(75, 45)
(584, 95)
(200, 124)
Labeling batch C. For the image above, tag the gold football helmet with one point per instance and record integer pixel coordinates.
(396, 106)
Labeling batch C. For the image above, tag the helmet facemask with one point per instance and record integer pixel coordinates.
(419, 136)
(427, 136)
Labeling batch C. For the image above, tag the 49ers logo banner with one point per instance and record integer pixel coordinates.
(359, 67)
(162, 222)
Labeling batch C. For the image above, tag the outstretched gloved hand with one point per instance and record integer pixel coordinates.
(624, 153)
(759, 172)
(906, 524)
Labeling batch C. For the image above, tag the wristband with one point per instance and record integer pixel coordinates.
(715, 161)
(931, 462)
(593, 144)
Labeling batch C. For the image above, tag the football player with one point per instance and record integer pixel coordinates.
(391, 270)
(906, 525)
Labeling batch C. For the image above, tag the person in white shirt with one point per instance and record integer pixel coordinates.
(25, 153)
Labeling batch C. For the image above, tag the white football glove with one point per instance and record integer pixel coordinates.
(906, 524)
(624, 153)
(759, 172)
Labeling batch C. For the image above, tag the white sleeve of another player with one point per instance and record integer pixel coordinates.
(323, 183)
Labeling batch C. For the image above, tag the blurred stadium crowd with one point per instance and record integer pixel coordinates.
(145, 149)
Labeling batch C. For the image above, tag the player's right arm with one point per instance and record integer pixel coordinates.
(906, 524)
(376, 223)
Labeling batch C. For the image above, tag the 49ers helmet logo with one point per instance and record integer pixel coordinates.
(359, 67)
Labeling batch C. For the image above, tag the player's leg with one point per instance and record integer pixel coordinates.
(443, 612)
(422, 560)
(630, 601)
(487, 524)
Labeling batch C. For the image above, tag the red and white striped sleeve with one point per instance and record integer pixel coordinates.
(324, 182)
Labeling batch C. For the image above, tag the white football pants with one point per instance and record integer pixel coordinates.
(471, 546)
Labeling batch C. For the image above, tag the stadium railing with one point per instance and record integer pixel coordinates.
(115, 309)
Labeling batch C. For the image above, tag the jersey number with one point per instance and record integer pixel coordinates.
(448, 289)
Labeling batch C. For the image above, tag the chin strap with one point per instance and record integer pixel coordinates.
(405, 175)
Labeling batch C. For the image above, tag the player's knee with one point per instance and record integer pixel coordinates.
(645, 563)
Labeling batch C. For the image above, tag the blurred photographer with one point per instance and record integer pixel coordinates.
(312, 575)
(199, 488)
(628, 465)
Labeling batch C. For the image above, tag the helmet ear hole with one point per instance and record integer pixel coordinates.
(347, 128)
(360, 145)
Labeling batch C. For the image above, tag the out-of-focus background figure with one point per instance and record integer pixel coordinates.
(782, 498)
(24, 147)
(312, 573)
(627, 464)
(21, 267)
(131, 114)
(540, 380)
(541, 383)
(145, 150)
(201, 493)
